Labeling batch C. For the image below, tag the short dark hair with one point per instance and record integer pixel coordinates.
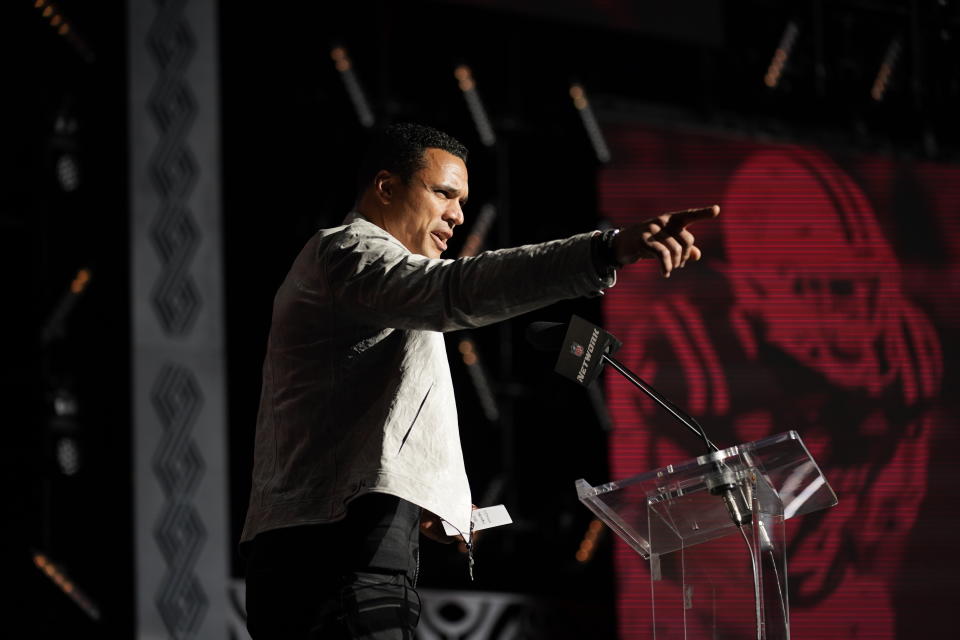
(399, 149)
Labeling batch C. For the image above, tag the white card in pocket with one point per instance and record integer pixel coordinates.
(483, 519)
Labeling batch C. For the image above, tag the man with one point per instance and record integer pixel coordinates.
(357, 446)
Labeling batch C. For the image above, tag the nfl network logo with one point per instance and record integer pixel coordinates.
(576, 349)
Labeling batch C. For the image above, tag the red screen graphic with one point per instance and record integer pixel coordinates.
(823, 302)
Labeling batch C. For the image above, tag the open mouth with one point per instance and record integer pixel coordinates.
(438, 239)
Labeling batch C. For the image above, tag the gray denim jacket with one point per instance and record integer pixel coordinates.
(357, 395)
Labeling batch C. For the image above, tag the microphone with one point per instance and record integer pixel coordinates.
(584, 347)
(549, 336)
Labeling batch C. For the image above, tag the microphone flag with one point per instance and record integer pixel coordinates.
(581, 354)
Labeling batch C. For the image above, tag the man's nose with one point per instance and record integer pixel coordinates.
(454, 214)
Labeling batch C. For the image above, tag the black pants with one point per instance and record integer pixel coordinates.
(351, 579)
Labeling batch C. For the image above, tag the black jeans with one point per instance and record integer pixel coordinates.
(351, 579)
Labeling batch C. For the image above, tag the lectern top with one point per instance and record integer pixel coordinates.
(782, 461)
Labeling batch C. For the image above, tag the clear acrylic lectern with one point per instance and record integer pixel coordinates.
(711, 579)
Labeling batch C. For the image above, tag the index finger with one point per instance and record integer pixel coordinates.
(689, 216)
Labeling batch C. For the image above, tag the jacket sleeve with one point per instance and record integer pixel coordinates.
(377, 281)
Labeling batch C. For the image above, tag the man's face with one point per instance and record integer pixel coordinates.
(423, 213)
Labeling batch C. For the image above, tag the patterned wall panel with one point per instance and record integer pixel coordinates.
(177, 291)
(449, 614)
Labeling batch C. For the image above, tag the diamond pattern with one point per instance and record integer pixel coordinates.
(180, 534)
(175, 235)
(172, 105)
(179, 472)
(182, 604)
(176, 302)
(174, 173)
(176, 395)
(177, 400)
(170, 39)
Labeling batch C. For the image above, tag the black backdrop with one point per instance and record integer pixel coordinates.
(290, 140)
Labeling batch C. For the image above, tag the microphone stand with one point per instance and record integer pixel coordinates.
(685, 419)
(724, 484)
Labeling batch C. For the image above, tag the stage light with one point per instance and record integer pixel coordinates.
(67, 453)
(339, 56)
(65, 124)
(591, 539)
(58, 575)
(882, 81)
(464, 78)
(64, 403)
(582, 105)
(63, 149)
(61, 24)
(64, 428)
(468, 351)
(55, 326)
(80, 281)
(358, 99)
(467, 347)
(579, 98)
(478, 232)
(471, 359)
(478, 113)
(68, 172)
(781, 55)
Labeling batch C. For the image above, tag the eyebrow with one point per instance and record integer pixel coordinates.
(453, 190)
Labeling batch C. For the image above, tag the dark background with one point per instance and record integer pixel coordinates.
(290, 140)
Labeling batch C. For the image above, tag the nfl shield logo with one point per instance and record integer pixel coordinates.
(576, 349)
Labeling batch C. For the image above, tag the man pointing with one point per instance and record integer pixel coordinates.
(357, 446)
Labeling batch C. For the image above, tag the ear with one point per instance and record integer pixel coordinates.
(384, 186)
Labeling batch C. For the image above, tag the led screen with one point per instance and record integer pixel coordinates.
(826, 302)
